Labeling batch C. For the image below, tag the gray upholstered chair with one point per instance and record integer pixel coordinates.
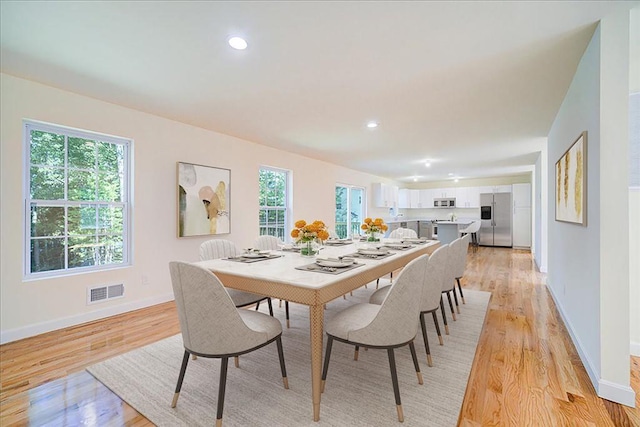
(449, 282)
(431, 294)
(389, 325)
(461, 261)
(220, 248)
(472, 229)
(403, 233)
(213, 327)
(272, 243)
(399, 233)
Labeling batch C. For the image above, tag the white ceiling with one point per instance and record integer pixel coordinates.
(472, 86)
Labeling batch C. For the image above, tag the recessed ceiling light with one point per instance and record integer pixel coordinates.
(450, 174)
(415, 179)
(372, 125)
(238, 43)
(428, 164)
(455, 180)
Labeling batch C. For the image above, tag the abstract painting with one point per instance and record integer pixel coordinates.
(571, 183)
(203, 200)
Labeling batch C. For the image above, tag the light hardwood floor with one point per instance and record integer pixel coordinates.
(526, 370)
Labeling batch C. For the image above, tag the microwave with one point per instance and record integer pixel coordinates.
(444, 203)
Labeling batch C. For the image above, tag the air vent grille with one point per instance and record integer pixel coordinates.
(104, 293)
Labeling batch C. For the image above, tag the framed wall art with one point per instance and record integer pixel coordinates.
(203, 200)
(571, 183)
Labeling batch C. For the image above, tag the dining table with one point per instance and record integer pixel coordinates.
(285, 278)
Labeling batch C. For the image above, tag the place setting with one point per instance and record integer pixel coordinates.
(251, 255)
(338, 242)
(371, 253)
(331, 265)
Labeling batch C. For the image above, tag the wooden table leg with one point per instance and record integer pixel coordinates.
(316, 317)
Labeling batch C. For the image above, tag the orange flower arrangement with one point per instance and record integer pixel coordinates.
(372, 226)
(304, 232)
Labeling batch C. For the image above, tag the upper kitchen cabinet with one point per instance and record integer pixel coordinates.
(495, 189)
(444, 193)
(384, 195)
(468, 197)
(404, 198)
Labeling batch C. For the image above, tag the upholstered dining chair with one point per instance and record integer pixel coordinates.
(431, 293)
(399, 233)
(272, 243)
(387, 326)
(213, 327)
(220, 248)
(461, 262)
(403, 233)
(448, 282)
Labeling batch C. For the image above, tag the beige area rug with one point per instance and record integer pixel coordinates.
(357, 393)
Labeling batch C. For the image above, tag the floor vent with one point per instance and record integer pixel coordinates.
(104, 293)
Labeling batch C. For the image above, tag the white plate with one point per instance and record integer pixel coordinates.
(372, 252)
(334, 263)
(256, 255)
(396, 246)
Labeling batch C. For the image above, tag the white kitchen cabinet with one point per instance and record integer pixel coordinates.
(404, 198)
(521, 215)
(384, 195)
(414, 199)
(426, 198)
(444, 193)
(468, 197)
(502, 189)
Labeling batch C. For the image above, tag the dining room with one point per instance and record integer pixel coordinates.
(103, 298)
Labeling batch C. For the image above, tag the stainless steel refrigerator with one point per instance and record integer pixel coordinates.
(495, 215)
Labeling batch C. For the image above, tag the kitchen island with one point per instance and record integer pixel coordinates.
(448, 230)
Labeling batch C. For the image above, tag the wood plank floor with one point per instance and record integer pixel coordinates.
(526, 370)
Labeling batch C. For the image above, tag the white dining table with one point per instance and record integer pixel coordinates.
(279, 278)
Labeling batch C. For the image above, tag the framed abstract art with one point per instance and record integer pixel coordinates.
(203, 200)
(571, 183)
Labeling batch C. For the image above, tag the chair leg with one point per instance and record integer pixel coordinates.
(460, 289)
(455, 297)
(444, 316)
(435, 321)
(283, 369)
(280, 303)
(236, 361)
(426, 340)
(412, 347)
(223, 383)
(325, 368)
(391, 277)
(394, 380)
(257, 305)
(355, 353)
(270, 307)
(183, 369)
(453, 313)
(286, 309)
(377, 282)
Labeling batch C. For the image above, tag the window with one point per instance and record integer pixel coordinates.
(77, 201)
(349, 210)
(274, 202)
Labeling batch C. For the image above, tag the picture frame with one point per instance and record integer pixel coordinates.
(204, 205)
(571, 183)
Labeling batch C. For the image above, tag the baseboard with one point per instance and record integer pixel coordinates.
(41, 328)
(605, 389)
(635, 349)
(617, 393)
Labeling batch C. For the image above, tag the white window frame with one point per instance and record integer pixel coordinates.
(287, 209)
(126, 203)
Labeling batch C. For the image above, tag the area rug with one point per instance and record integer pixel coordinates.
(357, 393)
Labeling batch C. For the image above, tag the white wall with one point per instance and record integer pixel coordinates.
(28, 308)
(591, 300)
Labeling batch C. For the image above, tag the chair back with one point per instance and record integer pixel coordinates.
(433, 278)
(217, 248)
(403, 233)
(268, 243)
(395, 322)
(449, 275)
(460, 255)
(209, 321)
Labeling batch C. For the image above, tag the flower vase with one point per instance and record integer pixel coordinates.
(372, 238)
(309, 249)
